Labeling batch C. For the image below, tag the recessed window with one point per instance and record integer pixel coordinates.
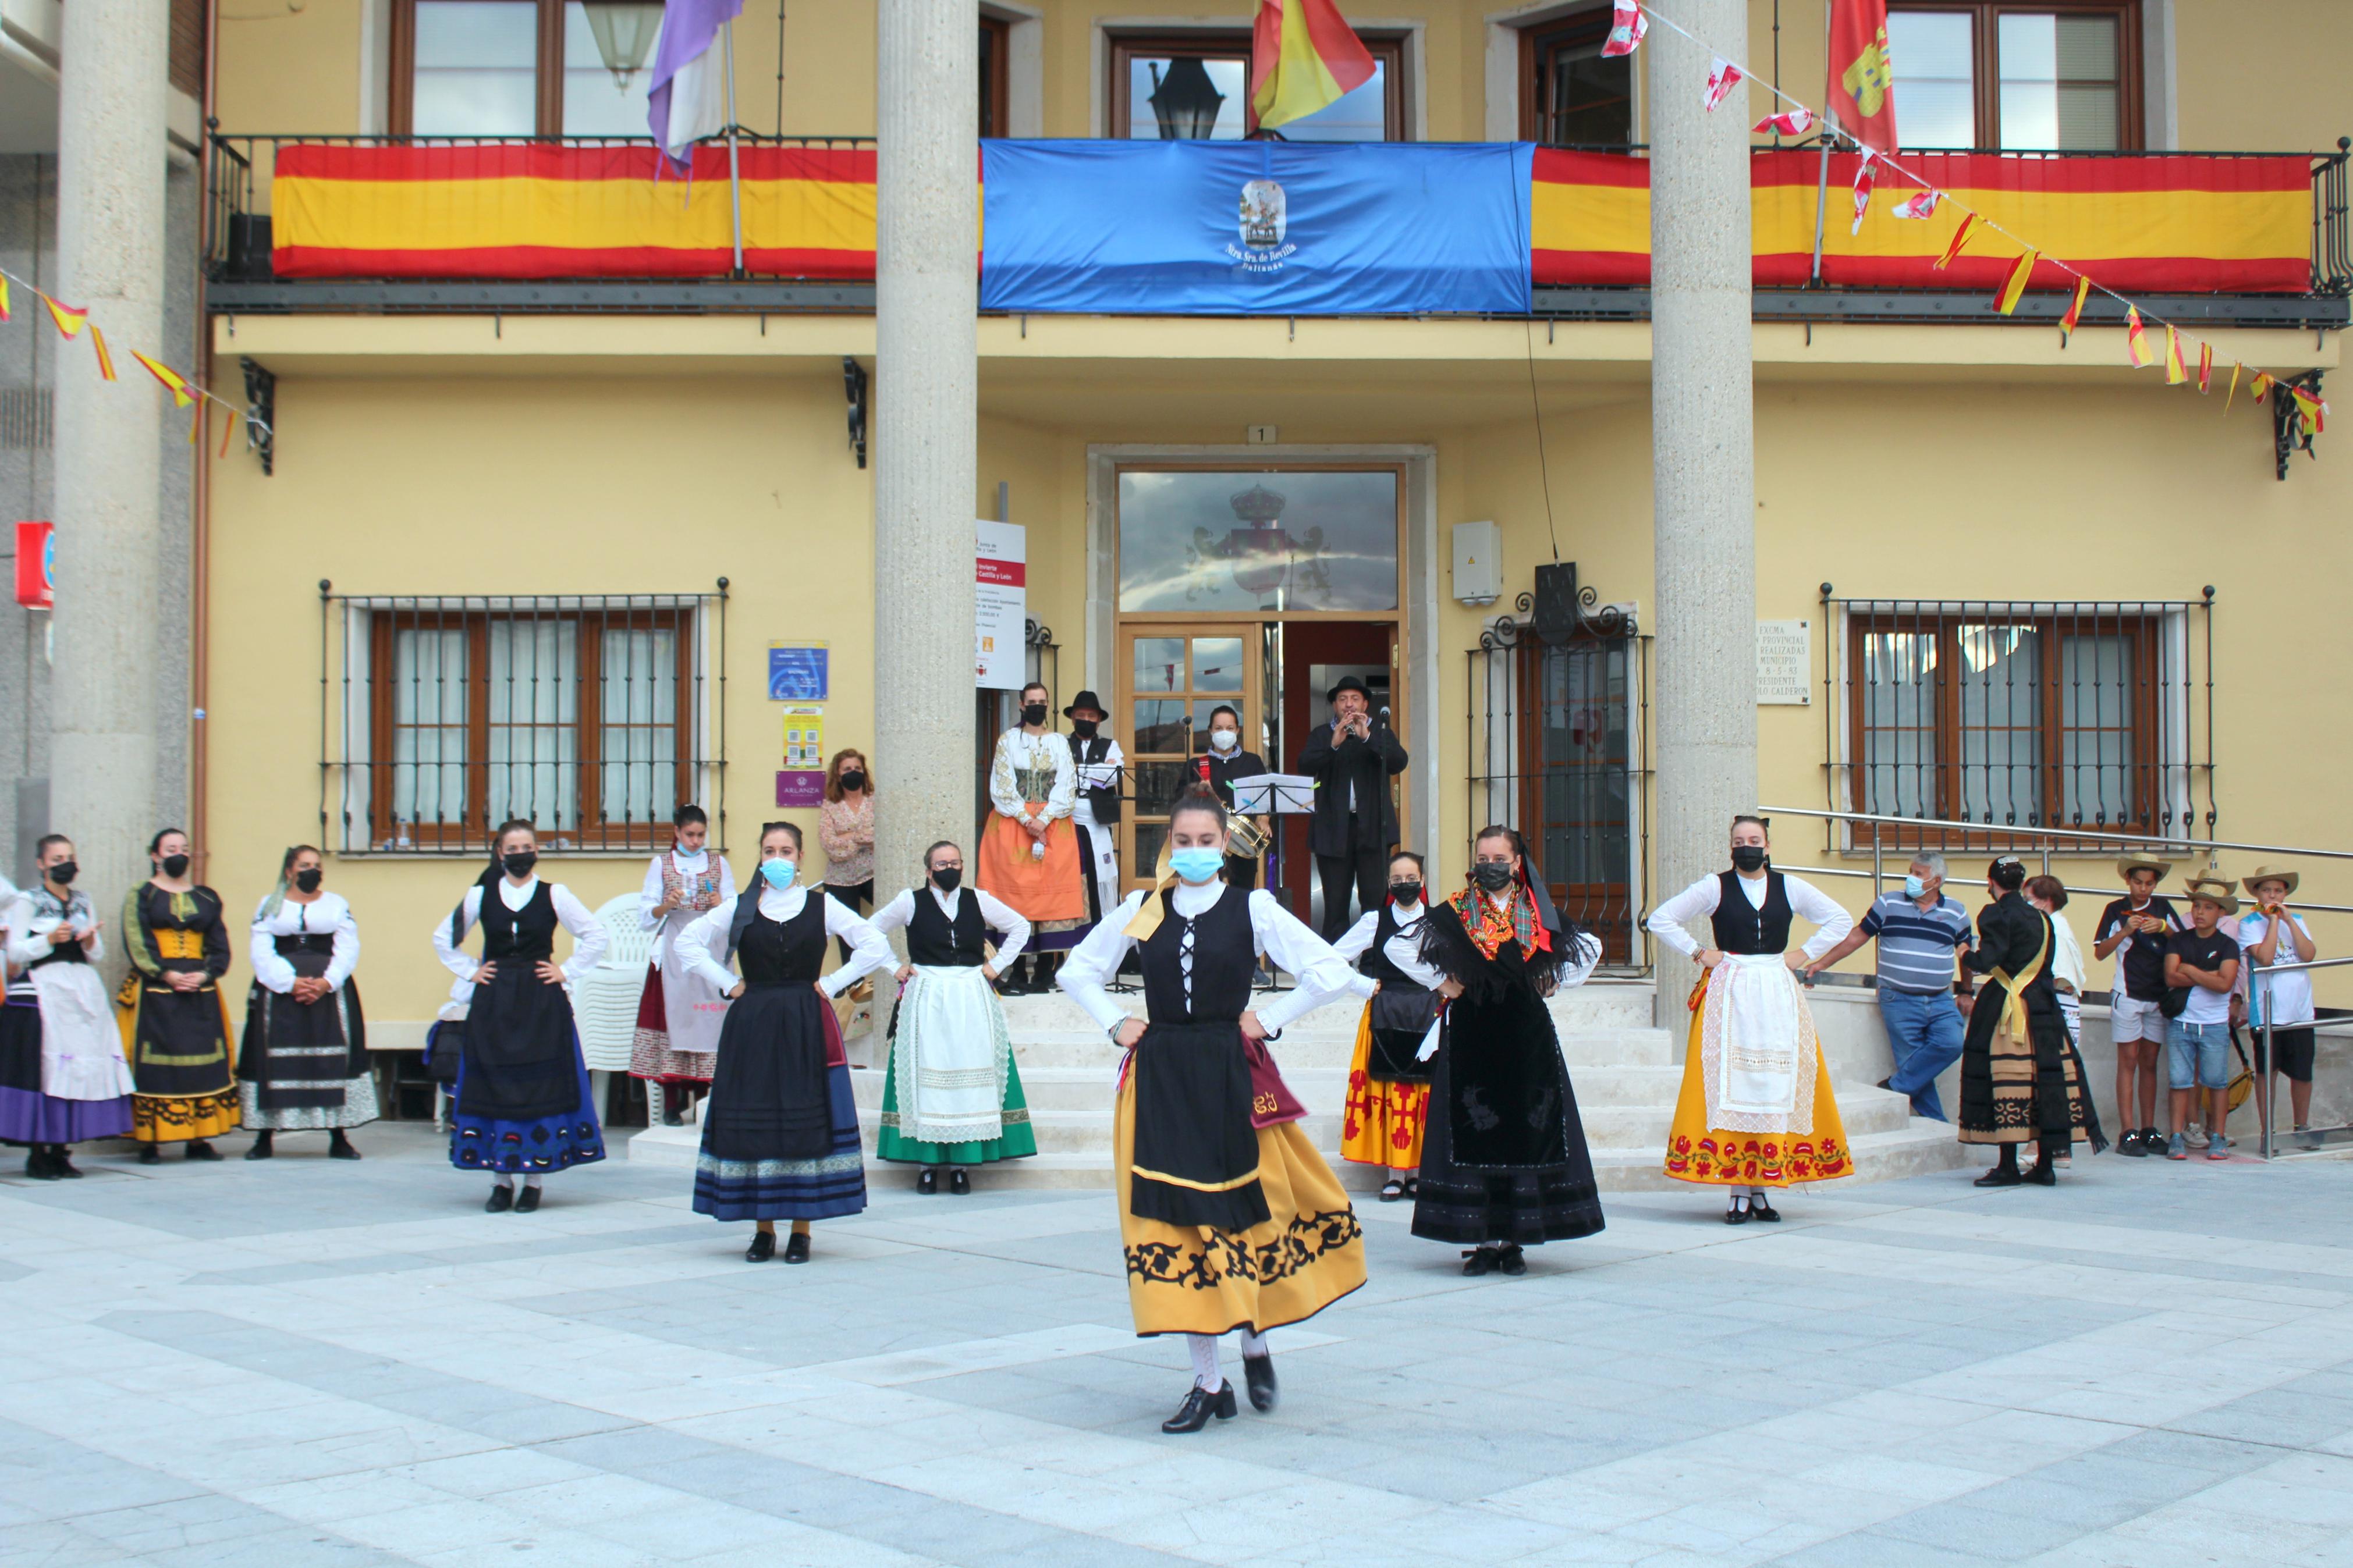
(1195, 86)
(1570, 95)
(2046, 77)
(522, 68)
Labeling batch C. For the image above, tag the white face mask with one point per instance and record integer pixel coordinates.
(1224, 740)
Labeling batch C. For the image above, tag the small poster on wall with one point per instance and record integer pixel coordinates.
(1784, 662)
(805, 736)
(1000, 608)
(797, 672)
(797, 786)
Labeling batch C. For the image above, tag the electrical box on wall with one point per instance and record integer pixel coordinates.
(1477, 563)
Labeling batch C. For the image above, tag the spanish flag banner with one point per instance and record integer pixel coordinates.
(2175, 371)
(2311, 410)
(182, 394)
(2014, 287)
(2135, 340)
(2260, 387)
(105, 359)
(2075, 310)
(1305, 58)
(1960, 237)
(4, 298)
(2232, 395)
(69, 320)
(2205, 367)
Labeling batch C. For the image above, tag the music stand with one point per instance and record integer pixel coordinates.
(1277, 795)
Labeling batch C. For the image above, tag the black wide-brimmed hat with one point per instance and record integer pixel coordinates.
(1087, 699)
(1347, 683)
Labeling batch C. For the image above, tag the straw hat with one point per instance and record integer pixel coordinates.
(2214, 891)
(2127, 864)
(2263, 874)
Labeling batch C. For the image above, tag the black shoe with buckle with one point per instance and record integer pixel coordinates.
(1758, 1209)
(763, 1247)
(927, 1181)
(1479, 1260)
(1511, 1260)
(960, 1184)
(796, 1248)
(501, 1199)
(1258, 1376)
(1199, 1405)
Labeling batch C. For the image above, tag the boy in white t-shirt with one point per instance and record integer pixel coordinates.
(2272, 933)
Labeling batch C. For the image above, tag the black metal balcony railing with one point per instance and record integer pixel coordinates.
(240, 246)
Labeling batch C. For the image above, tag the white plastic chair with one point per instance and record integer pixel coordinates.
(605, 1000)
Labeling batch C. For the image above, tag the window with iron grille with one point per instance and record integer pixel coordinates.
(583, 714)
(2028, 715)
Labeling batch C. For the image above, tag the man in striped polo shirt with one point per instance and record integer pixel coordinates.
(1921, 935)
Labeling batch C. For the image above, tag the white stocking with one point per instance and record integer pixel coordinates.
(1254, 1345)
(1205, 1360)
(1755, 1195)
(502, 1178)
(1736, 1200)
(533, 1179)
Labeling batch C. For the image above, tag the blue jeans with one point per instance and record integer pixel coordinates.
(2200, 1053)
(1925, 1032)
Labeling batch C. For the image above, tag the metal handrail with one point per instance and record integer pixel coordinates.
(2064, 835)
(2266, 1108)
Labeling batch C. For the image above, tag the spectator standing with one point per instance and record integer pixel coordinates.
(2204, 961)
(2133, 931)
(1920, 932)
(1227, 762)
(2050, 895)
(2272, 933)
(1355, 827)
(845, 831)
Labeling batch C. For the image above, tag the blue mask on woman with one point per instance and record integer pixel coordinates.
(1196, 864)
(779, 873)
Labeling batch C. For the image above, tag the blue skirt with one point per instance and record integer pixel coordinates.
(528, 1148)
(823, 1188)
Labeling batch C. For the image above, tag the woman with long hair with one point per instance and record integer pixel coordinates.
(1505, 1166)
(780, 1141)
(305, 1063)
(523, 1104)
(173, 1017)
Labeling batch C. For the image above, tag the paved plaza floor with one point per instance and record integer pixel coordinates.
(307, 1361)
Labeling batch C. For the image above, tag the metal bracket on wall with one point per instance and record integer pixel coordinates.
(2288, 434)
(1560, 610)
(853, 381)
(261, 414)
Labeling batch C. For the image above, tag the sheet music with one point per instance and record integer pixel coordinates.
(1099, 776)
(1263, 794)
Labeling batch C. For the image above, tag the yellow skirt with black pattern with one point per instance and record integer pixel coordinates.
(1198, 1280)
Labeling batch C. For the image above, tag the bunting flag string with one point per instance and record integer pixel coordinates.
(2205, 368)
(2231, 396)
(1921, 203)
(1629, 19)
(4, 297)
(71, 320)
(105, 359)
(1721, 80)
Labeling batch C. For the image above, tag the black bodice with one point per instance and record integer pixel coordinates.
(1376, 962)
(1742, 926)
(1224, 955)
(527, 934)
(783, 953)
(936, 941)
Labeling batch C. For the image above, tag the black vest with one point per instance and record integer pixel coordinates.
(1225, 957)
(1740, 926)
(1103, 803)
(527, 934)
(1375, 962)
(779, 953)
(935, 941)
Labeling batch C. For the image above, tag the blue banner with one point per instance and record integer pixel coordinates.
(1237, 228)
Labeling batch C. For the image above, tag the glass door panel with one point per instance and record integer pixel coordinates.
(1176, 683)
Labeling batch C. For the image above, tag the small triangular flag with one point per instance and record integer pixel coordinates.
(2260, 387)
(105, 359)
(4, 296)
(2135, 340)
(182, 395)
(2013, 288)
(1961, 237)
(2175, 373)
(69, 320)
(2205, 366)
(2231, 396)
(2075, 310)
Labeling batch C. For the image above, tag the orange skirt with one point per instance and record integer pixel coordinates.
(1050, 894)
(1714, 1156)
(1384, 1122)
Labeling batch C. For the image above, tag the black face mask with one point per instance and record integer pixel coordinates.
(1406, 892)
(308, 879)
(1034, 713)
(1748, 857)
(1494, 876)
(853, 780)
(948, 878)
(520, 863)
(63, 873)
(176, 865)
(1084, 728)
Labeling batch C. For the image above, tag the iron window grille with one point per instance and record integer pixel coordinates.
(591, 715)
(2032, 716)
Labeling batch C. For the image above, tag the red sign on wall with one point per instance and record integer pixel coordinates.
(37, 564)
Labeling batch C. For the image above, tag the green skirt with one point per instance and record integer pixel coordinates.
(1017, 1140)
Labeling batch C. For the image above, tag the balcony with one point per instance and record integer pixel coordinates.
(380, 225)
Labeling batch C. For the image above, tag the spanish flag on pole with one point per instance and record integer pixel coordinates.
(1304, 57)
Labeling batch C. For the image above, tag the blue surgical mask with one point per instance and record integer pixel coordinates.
(1913, 886)
(1196, 864)
(779, 873)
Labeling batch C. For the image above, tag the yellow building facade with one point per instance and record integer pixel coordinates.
(1994, 553)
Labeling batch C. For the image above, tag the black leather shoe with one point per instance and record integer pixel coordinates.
(501, 1199)
(62, 1164)
(2042, 1175)
(527, 1200)
(150, 1156)
(1737, 1215)
(1758, 1209)
(1511, 1260)
(763, 1247)
(928, 1182)
(340, 1147)
(263, 1147)
(1199, 1405)
(671, 1115)
(960, 1184)
(1391, 1191)
(2130, 1144)
(796, 1248)
(1258, 1375)
(37, 1166)
(200, 1150)
(2000, 1176)
(1479, 1260)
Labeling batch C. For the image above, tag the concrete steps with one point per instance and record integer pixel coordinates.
(1625, 1072)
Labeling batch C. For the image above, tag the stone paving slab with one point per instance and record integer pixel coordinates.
(299, 1362)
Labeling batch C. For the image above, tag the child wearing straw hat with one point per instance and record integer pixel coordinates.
(2205, 961)
(2133, 931)
(2272, 933)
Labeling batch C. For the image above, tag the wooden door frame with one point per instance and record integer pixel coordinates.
(1124, 697)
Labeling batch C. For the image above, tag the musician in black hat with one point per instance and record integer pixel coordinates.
(1354, 823)
(1095, 810)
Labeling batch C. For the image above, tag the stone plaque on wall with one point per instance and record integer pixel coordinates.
(1785, 663)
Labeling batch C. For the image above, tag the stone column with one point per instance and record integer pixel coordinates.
(925, 428)
(111, 248)
(1702, 461)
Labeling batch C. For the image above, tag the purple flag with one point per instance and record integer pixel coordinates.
(689, 98)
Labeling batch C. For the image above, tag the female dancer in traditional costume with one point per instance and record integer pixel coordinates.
(1388, 1088)
(2021, 1078)
(780, 1137)
(173, 1017)
(951, 1095)
(1755, 1111)
(678, 1015)
(305, 1063)
(1229, 1216)
(523, 1105)
(1028, 852)
(62, 1077)
(1505, 1166)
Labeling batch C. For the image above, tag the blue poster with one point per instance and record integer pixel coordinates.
(797, 672)
(1225, 228)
